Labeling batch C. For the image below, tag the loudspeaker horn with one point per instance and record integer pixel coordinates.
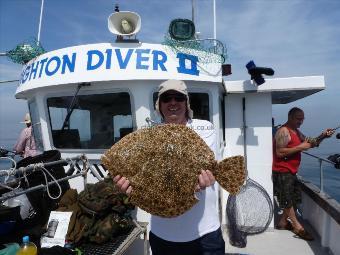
(124, 23)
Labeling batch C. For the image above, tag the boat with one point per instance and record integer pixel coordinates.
(85, 98)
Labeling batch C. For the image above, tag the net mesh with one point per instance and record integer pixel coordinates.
(207, 50)
(25, 51)
(249, 212)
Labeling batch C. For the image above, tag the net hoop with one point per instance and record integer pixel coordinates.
(207, 50)
(25, 51)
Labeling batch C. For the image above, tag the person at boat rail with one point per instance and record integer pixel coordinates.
(197, 231)
(25, 145)
(288, 144)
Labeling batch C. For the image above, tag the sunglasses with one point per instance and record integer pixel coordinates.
(177, 97)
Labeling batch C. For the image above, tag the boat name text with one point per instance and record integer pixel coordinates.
(140, 59)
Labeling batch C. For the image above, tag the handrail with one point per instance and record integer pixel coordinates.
(321, 160)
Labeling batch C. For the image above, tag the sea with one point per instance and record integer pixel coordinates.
(310, 171)
(309, 168)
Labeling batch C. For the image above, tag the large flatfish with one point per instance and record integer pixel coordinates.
(162, 164)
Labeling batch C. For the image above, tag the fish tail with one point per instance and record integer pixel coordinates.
(231, 174)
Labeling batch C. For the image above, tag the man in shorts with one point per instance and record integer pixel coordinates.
(289, 142)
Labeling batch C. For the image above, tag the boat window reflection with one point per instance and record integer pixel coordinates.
(97, 121)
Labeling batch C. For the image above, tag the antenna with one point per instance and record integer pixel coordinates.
(40, 21)
(193, 11)
(214, 15)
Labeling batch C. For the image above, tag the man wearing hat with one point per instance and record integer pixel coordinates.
(25, 146)
(197, 231)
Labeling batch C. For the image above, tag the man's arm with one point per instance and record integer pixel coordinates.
(282, 138)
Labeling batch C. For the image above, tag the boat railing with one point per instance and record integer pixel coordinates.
(321, 161)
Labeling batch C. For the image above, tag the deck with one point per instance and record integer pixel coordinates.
(277, 242)
(271, 242)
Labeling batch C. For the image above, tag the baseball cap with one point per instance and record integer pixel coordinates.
(175, 85)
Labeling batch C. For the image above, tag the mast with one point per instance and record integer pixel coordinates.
(40, 21)
(193, 11)
(214, 16)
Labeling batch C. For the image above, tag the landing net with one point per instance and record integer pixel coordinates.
(207, 50)
(25, 51)
(249, 212)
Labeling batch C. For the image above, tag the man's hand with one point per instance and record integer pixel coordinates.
(205, 179)
(305, 145)
(328, 132)
(123, 184)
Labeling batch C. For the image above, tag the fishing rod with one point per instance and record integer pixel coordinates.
(13, 193)
(336, 128)
(337, 136)
(35, 167)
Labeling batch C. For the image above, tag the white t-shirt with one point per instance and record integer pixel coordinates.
(202, 218)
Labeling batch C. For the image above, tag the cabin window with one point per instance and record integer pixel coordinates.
(96, 121)
(199, 103)
(36, 126)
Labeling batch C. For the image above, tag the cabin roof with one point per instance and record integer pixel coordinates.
(283, 90)
(115, 62)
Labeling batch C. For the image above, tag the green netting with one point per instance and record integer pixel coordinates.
(207, 50)
(25, 51)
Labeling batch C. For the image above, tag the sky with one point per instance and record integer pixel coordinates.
(294, 37)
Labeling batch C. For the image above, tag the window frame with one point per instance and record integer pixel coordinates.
(86, 92)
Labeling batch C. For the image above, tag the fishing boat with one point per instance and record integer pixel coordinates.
(83, 99)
